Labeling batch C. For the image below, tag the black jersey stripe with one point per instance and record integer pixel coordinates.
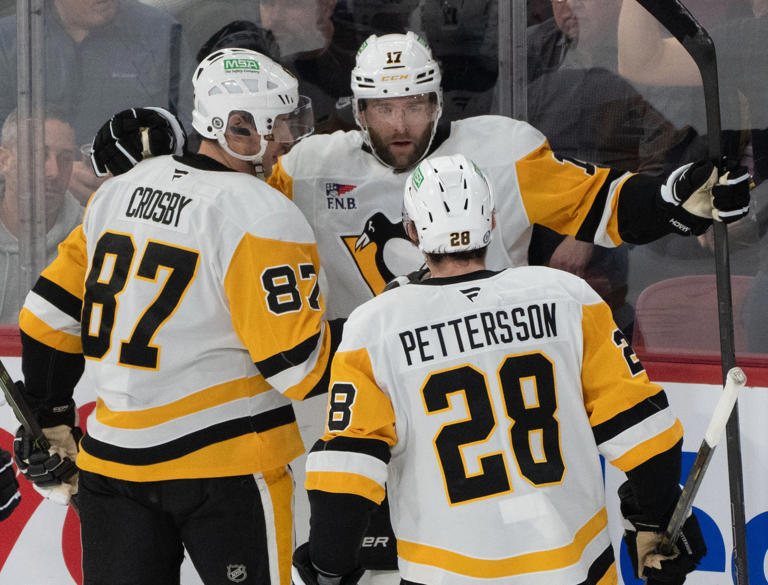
(628, 418)
(590, 224)
(599, 567)
(59, 297)
(373, 447)
(191, 442)
(287, 359)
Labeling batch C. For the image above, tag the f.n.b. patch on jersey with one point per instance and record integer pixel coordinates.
(337, 196)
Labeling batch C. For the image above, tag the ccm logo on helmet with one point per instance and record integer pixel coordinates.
(394, 77)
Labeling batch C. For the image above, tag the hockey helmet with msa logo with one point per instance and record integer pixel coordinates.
(395, 65)
(239, 91)
(450, 203)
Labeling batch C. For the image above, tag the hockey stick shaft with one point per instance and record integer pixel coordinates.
(676, 18)
(735, 381)
(21, 409)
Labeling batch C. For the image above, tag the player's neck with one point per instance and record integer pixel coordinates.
(448, 267)
(212, 150)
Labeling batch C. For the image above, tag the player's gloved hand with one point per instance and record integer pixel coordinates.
(133, 135)
(419, 275)
(52, 471)
(303, 572)
(9, 487)
(694, 195)
(643, 537)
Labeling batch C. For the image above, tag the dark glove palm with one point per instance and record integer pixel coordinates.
(695, 194)
(690, 547)
(42, 467)
(304, 572)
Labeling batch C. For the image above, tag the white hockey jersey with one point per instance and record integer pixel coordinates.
(354, 203)
(494, 394)
(192, 292)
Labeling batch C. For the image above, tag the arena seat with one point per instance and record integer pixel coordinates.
(679, 315)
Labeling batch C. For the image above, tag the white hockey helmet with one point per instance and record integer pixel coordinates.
(240, 80)
(450, 203)
(395, 65)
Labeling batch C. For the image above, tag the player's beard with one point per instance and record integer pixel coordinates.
(382, 150)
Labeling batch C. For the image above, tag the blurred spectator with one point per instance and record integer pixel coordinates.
(648, 57)
(581, 33)
(302, 35)
(100, 56)
(464, 39)
(576, 98)
(588, 112)
(62, 211)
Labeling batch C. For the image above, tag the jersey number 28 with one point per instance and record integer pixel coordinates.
(533, 433)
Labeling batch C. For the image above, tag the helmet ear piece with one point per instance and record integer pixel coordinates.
(450, 203)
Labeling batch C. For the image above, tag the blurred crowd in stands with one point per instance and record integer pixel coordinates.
(604, 84)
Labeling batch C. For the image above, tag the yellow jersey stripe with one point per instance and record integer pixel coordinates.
(611, 576)
(42, 332)
(339, 482)
(535, 562)
(196, 402)
(650, 448)
(241, 455)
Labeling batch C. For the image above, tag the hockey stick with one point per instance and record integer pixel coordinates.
(21, 410)
(696, 41)
(734, 382)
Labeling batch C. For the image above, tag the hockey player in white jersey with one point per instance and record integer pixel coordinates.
(483, 399)
(348, 184)
(190, 297)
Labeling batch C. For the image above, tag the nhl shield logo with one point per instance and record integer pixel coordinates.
(236, 573)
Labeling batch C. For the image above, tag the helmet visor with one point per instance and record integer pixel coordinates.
(291, 127)
(414, 110)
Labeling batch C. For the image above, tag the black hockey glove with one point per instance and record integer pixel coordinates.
(693, 195)
(643, 537)
(135, 134)
(303, 572)
(53, 472)
(9, 487)
(422, 273)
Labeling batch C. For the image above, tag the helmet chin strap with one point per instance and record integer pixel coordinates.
(254, 158)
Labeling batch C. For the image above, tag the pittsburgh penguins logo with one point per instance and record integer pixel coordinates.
(382, 251)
